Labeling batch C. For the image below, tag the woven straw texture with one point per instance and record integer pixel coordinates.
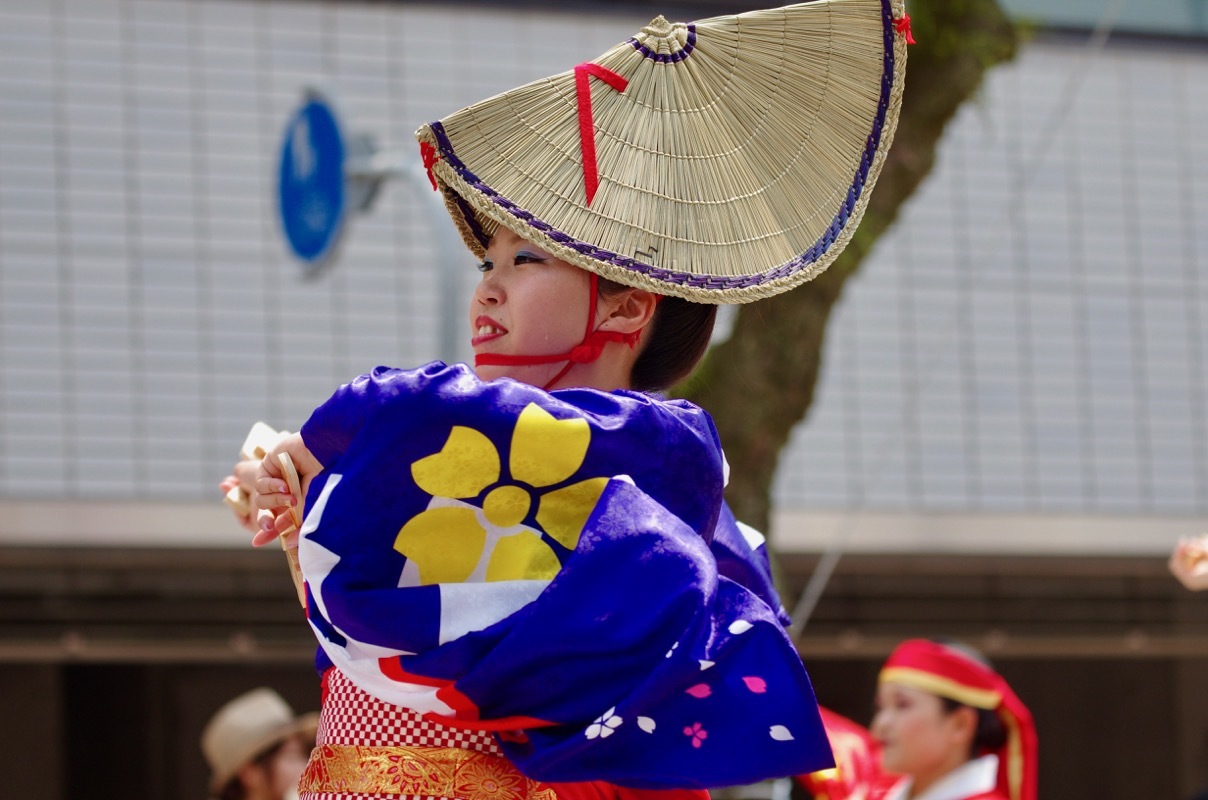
(734, 155)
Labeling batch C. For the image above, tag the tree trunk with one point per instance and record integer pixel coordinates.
(760, 382)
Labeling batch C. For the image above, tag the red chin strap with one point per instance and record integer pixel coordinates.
(583, 353)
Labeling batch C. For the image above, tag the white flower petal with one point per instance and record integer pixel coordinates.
(780, 733)
(704, 665)
(740, 626)
(646, 724)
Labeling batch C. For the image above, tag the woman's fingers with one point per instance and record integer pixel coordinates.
(245, 473)
(273, 493)
(239, 501)
(276, 500)
(273, 525)
(270, 488)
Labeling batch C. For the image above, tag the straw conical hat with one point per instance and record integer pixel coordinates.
(732, 157)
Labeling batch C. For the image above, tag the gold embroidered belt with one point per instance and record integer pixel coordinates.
(425, 771)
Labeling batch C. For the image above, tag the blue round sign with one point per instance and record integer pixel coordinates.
(310, 185)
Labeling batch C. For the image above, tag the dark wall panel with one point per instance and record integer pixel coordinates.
(30, 700)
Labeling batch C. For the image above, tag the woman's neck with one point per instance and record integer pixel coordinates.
(607, 373)
(925, 780)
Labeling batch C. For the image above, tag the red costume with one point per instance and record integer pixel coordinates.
(857, 772)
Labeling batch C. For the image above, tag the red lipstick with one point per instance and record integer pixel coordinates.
(484, 321)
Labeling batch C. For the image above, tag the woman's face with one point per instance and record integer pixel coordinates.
(277, 778)
(288, 766)
(528, 303)
(918, 736)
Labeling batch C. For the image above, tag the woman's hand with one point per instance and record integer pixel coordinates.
(1189, 562)
(243, 475)
(272, 494)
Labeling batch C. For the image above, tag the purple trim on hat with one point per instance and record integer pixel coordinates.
(797, 264)
(669, 58)
(467, 212)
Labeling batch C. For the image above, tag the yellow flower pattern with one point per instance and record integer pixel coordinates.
(454, 541)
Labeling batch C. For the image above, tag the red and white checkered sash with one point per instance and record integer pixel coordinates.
(354, 722)
(352, 717)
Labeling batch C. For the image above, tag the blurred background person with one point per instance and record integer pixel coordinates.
(257, 747)
(951, 725)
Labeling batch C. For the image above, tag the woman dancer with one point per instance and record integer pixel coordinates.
(513, 571)
(952, 726)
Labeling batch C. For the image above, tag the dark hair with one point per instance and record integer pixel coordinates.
(679, 335)
(991, 734)
(233, 789)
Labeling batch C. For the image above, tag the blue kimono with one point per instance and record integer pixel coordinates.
(539, 565)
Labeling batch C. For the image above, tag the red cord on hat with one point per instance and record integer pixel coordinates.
(585, 352)
(428, 154)
(902, 25)
(587, 125)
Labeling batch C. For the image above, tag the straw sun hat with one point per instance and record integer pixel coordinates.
(720, 161)
(246, 727)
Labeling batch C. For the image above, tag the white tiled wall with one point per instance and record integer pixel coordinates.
(1033, 335)
(148, 313)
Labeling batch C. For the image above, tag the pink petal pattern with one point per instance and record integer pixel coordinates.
(756, 685)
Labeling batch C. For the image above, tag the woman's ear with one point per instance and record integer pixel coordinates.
(629, 311)
(963, 720)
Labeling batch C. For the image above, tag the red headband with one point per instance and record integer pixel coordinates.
(946, 672)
